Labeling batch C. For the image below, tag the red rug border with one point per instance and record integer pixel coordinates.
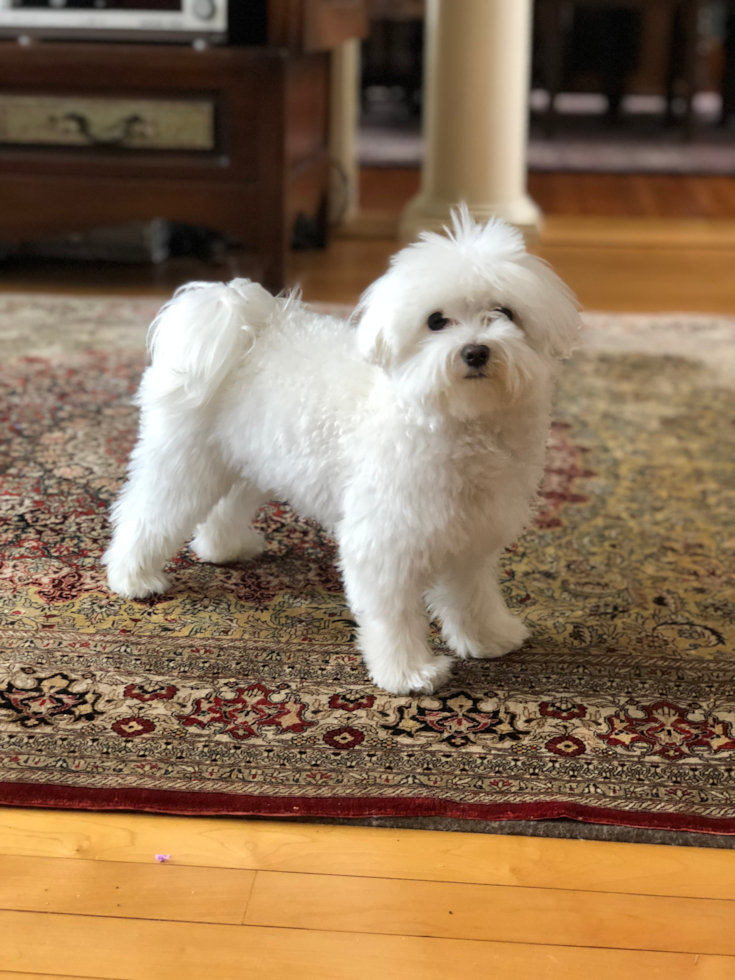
(177, 803)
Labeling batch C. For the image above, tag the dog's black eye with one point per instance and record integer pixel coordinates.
(437, 321)
(506, 312)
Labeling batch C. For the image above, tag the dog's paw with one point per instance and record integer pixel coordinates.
(135, 583)
(422, 679)
(507, 636)
(460, 643)
(221, 550)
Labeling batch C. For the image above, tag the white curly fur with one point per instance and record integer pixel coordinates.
(422, 466)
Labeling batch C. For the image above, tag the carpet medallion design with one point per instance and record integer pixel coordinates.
(241, 690)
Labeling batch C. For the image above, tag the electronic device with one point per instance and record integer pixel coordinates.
(192, 21)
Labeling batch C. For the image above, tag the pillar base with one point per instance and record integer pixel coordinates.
(423, 213)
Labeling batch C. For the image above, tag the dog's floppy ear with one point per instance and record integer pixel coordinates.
(374, 318)
(559, 305)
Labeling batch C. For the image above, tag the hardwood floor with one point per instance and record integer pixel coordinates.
(622, 242)
(628, 268)
(645, 277)
(591, 195)
(81, 895)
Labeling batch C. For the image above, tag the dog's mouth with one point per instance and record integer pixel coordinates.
(476, 374)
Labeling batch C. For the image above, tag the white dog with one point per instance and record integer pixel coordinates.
(415, 433)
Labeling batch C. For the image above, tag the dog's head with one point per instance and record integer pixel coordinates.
(467, 321)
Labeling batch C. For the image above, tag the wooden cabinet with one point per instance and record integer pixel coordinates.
(251, 154)
(231, 138)
(308, 26)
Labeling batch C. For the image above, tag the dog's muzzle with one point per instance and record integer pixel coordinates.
(475, 355)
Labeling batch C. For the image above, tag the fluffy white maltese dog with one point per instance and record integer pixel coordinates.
(414, 433)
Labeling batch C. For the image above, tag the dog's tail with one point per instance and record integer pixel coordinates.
(201, 335)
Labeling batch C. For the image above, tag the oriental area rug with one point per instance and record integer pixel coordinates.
(241, 691)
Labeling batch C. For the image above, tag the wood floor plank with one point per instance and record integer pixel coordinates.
(650, 233)
(46, 976)
(641, 193)
(678, 196)
(145, 891)
(722, 191)
(645, 280)
(597, 194)
(554, 193)
(616, 263)
(606, 194)
(143, 950)
(343, 271)
(388, 188)
(643, 869)
(553, 917)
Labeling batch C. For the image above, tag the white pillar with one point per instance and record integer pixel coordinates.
(343, 123)
(477, 77)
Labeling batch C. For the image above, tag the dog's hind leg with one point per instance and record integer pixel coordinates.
(227, 534)
(176, 476)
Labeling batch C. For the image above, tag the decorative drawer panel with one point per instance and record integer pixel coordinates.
(131, 124)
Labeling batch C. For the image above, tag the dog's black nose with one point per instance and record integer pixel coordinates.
(475, 355)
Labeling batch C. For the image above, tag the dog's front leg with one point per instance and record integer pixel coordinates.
(393, 624)
(475, 619)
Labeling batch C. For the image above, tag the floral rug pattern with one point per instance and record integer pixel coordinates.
(241, 690)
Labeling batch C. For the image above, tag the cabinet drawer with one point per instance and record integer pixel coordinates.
(129, 124)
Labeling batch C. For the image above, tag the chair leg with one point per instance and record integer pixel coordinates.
(691, 62)
(728, 79)
(554, 14)
(676, 46)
